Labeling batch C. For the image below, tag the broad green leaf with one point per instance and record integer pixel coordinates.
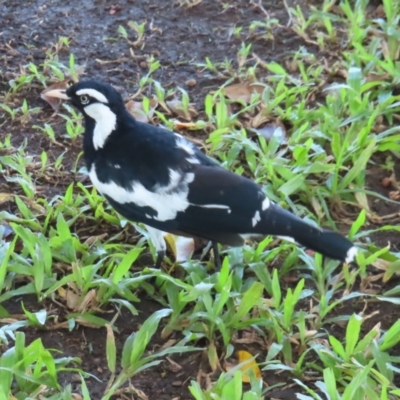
(145, 333)
(250, 298)
(352, 333)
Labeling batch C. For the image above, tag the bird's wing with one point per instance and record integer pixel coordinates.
(220, 201)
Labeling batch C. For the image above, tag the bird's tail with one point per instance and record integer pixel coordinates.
(277, 221)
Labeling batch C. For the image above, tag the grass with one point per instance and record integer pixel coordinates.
(339, 128)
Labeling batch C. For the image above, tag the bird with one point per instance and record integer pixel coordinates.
(159, 178)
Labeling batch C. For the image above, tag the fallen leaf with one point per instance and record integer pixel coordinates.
(242, 91)
(251, 364)
(5, 196)
(72, 300)
(394, 195)
(182, 247)
(176, 107)
(136, 109)
(185, 125)
(89, 302)
(377, 77)
(54, 101)
(174, 366)
(93, 239)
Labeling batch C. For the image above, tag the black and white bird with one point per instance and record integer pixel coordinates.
(159, 178)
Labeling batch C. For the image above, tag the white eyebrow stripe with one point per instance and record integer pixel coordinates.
(93, 93)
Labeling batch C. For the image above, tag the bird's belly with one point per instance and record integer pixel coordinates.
(165, 205)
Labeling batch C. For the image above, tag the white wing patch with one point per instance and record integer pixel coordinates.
(167, 200)
(256, 219)
(265, 204)
(184, 144)
(106, 122)
(193, 160)
(219, 206)
(93, 93)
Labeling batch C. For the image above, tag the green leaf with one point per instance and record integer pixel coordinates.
(357, 382)
(337, 347)
(330, 383)
(125, 264)
(6, 250)
(292, 185)
(276, 68)
(196, 292)
(145, 333)
(196, 391)
(391, 337)
(276, 289)
(352, 334)
(358, 166)
(250, 298)
(357, 224)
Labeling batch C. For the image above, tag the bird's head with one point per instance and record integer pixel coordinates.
(99, 102)
(87, 95)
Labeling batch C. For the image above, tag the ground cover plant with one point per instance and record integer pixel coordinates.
(304, 98)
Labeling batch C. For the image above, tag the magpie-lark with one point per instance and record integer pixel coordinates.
(157, 177)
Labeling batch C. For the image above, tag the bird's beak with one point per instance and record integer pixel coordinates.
(58, 93)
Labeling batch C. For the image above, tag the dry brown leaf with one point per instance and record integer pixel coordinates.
(136, 109)
(394, 195)
(260, 119)
(176, 107)
(54, 101)
(117, 61)
(184, 125)
(174, 367)
(377, 77)
(168, 343)
(72, 300)
(242, 91)
(382, 264)
(89, 302)
(5, 197)
(362, 200)
(248, 337)
(93, 239)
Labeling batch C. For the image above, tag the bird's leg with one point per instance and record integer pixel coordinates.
(159, 259)
(217, 259)
(157, 237)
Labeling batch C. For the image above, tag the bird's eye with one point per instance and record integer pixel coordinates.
(84, 99)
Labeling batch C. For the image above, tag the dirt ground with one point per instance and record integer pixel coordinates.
(179, 37)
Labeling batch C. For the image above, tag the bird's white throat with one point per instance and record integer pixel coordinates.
(105, 122)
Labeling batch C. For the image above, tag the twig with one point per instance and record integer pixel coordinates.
(260, 6)
(289, 13)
